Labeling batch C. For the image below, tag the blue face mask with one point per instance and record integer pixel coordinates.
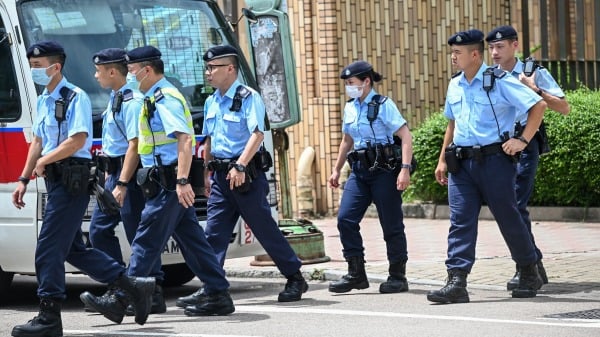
(132, 81)
(40, 77)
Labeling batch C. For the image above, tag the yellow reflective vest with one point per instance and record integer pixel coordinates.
(148, 139)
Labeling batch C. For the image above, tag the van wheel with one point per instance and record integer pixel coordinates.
(5, 281)
(176, 275)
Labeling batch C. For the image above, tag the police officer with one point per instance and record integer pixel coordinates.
(119, 162)
(481, 111)
(370, 122)
(61, 144)
(503, 44)
(234, 124)
(166, 140)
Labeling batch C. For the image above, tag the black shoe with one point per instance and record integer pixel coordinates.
(529, 282)
(191, 300)
(394, 285)
(47, 323)
(140, 290)
(108, 293)
(514, 281)
(455, 290)
(542, 272)
(218, 304)
(111, 306)
(396, 282)
(295, 286)
(355, 279)
(158, 303)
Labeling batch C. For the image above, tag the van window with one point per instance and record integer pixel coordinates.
(10, 106)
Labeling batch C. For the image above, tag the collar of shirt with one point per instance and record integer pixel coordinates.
(517, 69)
(479, 76)
(230, 93)
(367, 99)
(55, 94)
(162, 83)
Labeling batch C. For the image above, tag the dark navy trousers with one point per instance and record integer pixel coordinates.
(526, 169)
(490, 180)
(102, 226)
(61, 240)
(162, 217)
(226, 206)
(362, 188)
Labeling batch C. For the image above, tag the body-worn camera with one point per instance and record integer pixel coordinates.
(529, 66)
(488, 79)
(60, 110)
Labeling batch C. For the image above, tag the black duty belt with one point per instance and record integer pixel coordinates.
(220, 165)
(466, 152)
(110, 165)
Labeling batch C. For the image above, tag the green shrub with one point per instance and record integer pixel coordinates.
(567, 176)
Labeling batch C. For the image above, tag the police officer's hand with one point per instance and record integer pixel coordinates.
(334, 179)
(119, 192)
(40, 168)
(236, 178)
(17, 196)
(513, 146)
(185, 194)
(528, 81)
(403, 179)
(440, 173)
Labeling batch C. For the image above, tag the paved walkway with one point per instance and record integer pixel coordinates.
(571, 255)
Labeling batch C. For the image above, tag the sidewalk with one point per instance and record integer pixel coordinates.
(571, 255)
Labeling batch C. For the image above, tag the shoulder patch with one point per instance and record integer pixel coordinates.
(158, 95)
(242, 91)
(457, 74)
(499, 73)
(127, 95)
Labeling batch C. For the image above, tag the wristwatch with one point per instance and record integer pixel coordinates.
(406, 166)
(239, 167)
(182, 181)
(24, 180)
(121, 183)
(521, 138)
(540, 91)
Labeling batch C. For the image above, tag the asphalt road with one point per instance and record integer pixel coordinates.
(358, 313)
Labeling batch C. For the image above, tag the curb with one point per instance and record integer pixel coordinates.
(537, 213)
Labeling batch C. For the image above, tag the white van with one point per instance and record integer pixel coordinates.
(183, 30)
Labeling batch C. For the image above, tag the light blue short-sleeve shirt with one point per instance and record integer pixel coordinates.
(122, 126)
(78, 118)
(479, 119)
(230, 131)
(380, 131)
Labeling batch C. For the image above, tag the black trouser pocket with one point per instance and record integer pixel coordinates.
(76, 179)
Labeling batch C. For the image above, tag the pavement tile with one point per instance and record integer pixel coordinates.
(571, 255)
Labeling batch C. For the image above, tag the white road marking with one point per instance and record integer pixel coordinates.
(133, 333)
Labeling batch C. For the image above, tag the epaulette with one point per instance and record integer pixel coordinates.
(350, 100)
(158, 95)
(457, 73)
(127, 95)
(379, 99)
(499, 73)
(241, 92)
(67, 94)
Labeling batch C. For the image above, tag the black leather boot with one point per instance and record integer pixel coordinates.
(295, 286)
(396, 282)
(112, 306)
(139, 290)
(529, 282)
(46, 324)
(514, 282)
(455, 290)
(355, 279)
(218, 304)
(158, 303)
(196, 298)
(108, 293)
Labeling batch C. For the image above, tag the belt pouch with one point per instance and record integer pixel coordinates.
(542, 138)
(146, 182)
(197, 175)
(76, 179)
(452, 162)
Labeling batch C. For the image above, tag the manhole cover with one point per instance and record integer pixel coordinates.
(585, 314)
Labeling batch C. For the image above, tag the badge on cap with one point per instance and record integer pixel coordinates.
(126, 57)
(210, 54)
(347, 72)
(96, 59)
(458, 39)
(36, 51)
(498, 36)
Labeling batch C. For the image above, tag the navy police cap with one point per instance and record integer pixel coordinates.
(356, 68)
(471, 36)
(502, 33)
(142, 54)
(109, 55)
(218, 52)
(45, 48)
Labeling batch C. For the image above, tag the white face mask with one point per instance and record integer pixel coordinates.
(354, 91)
(40, 77)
